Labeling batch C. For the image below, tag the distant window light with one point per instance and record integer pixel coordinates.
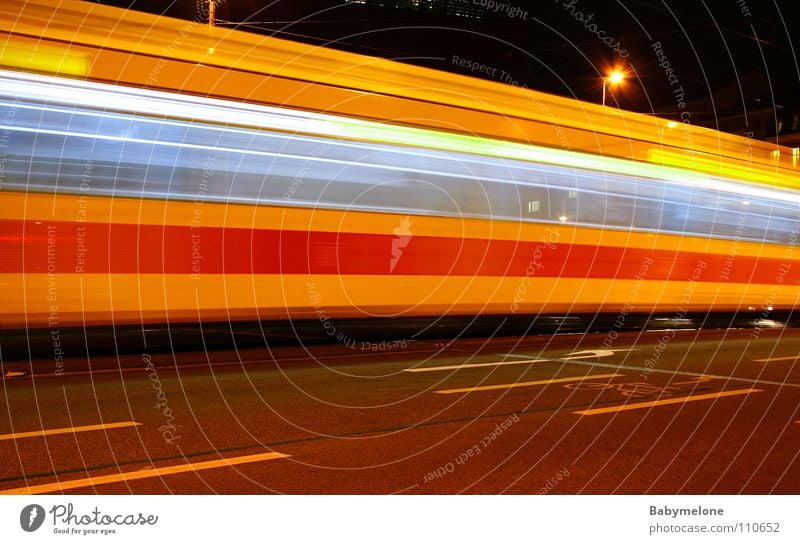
(534, 206)
(572, 193)
(458, 8)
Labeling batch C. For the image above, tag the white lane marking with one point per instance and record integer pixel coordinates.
(596, 353)
(140, 474)
(676, 400)
(474, 365)
(587, 354)
(526, 384)
(69, 430)
(648, 370)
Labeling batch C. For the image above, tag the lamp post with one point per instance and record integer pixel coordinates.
(613, 78)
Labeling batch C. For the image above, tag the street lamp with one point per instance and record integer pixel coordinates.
(613, 78)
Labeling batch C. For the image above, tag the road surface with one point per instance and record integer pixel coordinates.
(663, 412)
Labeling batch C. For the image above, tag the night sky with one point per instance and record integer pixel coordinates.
(668, 48)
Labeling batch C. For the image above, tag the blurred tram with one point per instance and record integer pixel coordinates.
(155, 170)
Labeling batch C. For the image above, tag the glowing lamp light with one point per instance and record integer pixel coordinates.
(614, 78)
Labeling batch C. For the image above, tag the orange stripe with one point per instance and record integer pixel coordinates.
(130, 298)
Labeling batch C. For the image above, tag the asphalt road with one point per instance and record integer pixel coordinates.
(688, 412)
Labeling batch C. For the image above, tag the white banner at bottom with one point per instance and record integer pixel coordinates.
(398, 519)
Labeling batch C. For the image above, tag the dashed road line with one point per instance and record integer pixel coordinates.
(69, 430)
(676, 400)
(772, 359)
(140, 474)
